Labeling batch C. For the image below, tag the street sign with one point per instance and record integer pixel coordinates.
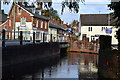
(108, 30)
(69, 29)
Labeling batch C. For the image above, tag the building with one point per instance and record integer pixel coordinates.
(29, 19)
(26, 19)
(94, 25)
(58, 33)
(3, 16)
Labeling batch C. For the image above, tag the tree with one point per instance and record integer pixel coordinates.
(51, 13)
(115, 6)
(73, 5)
(74, 23)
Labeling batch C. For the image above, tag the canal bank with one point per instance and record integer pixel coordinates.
(31, 52)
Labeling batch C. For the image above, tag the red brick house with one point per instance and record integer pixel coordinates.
(26, 19)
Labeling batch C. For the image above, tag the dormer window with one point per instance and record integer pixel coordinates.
(19, 10)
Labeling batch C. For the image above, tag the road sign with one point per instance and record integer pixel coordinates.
(108, 30)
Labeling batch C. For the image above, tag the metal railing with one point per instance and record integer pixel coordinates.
(27, 37)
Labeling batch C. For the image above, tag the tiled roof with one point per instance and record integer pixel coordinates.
(95, 19)
(3, 17)
(51, 25)
(35, 14)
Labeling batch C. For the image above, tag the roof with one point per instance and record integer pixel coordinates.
(95, 19)
(3, 17)
(51, 25)
(36, 15)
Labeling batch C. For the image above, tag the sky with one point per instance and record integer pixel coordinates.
(89, 7)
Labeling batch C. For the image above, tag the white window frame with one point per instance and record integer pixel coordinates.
(90, 29)
(46, 25)
(23, 22)
(36, 23)
(41, 24)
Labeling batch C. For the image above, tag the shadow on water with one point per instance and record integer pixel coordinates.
(17, 72)
(74, 66)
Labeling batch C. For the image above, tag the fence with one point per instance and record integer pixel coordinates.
(27, 37)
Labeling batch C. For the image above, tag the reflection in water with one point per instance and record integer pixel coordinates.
(74, 65)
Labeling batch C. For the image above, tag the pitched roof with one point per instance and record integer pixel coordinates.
(51, 25)
(36, 15)
(3, 17)
(95, 19)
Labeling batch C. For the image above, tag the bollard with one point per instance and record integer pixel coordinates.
(3, 38)
(43, 37)
(21, 38)
(33, 37)
(50, 37)
(105, 42)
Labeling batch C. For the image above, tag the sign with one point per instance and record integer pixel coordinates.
(69, 29)
(108, 30)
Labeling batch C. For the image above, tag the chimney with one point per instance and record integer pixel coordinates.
(20, 3)
(39, 5)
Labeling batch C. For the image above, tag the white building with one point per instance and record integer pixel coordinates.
(94, 25)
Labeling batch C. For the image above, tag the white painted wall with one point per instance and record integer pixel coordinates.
(97, 30)
(52, 31)
(28, 25)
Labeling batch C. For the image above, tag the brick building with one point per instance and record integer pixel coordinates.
(25, 18)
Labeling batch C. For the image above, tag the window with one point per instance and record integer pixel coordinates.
(103, 28)
(36, 23)
(19, 10)
(45, 25)
(89, 28)
(84, 36)
(23, 21)
(41, 24)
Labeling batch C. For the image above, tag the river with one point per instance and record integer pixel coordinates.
(74, 66)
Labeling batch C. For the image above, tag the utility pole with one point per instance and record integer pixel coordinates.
(14, 3)
(108, 19)
(79, 29)
(0, 4)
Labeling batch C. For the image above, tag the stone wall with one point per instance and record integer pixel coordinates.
(24, 53)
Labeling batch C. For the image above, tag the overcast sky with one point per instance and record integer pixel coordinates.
(89, 7)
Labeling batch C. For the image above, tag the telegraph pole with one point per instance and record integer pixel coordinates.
(79, 28)
(14, 3)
